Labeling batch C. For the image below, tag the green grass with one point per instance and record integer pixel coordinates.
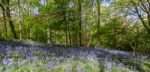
(75, 65)
(40, 66)
(145, 66)
(65, 65)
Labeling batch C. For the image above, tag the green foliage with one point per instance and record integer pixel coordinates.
(36, 66)
(146, 66)
(58, 22)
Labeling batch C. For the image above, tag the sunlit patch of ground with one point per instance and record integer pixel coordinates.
(30, 57)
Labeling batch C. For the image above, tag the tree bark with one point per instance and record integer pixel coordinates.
(4, 22)
(20, 21)
(66, 28)
(98, 22)
(10, 20)
(70, 41)
(5, 5)
(80, 22)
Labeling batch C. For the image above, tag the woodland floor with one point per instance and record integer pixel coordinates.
(42, 57)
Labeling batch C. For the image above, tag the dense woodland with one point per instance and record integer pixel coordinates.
(74, 35)
(117, 24)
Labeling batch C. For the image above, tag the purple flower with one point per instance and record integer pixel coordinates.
(1, 46)
(4, 60)
(8, 50)
(7, 61)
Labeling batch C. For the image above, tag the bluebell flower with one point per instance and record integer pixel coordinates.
(7, 61)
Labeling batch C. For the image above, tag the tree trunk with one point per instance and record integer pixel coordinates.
(48, 35)
(20, 21)
(70, 43)
(80, 22)
(30, 28)
(66, 29)
(98, 22)
(4, 23)
(5, 5)
(11, 22)
(147, 27)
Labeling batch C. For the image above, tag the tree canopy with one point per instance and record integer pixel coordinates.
(119, 24)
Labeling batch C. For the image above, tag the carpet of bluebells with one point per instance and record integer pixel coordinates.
(43, 57)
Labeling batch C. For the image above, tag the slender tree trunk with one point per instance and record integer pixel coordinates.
(36, 37)
(80, 22)
(48, 35)
(51, 36)
(70, 43)
(140, 16)
(148, 17)
(30, 28)
(20, 21)
(115, 39)
(66, 29)
(86, 31)
(4, 23)
(98, 21)
(30, 33)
